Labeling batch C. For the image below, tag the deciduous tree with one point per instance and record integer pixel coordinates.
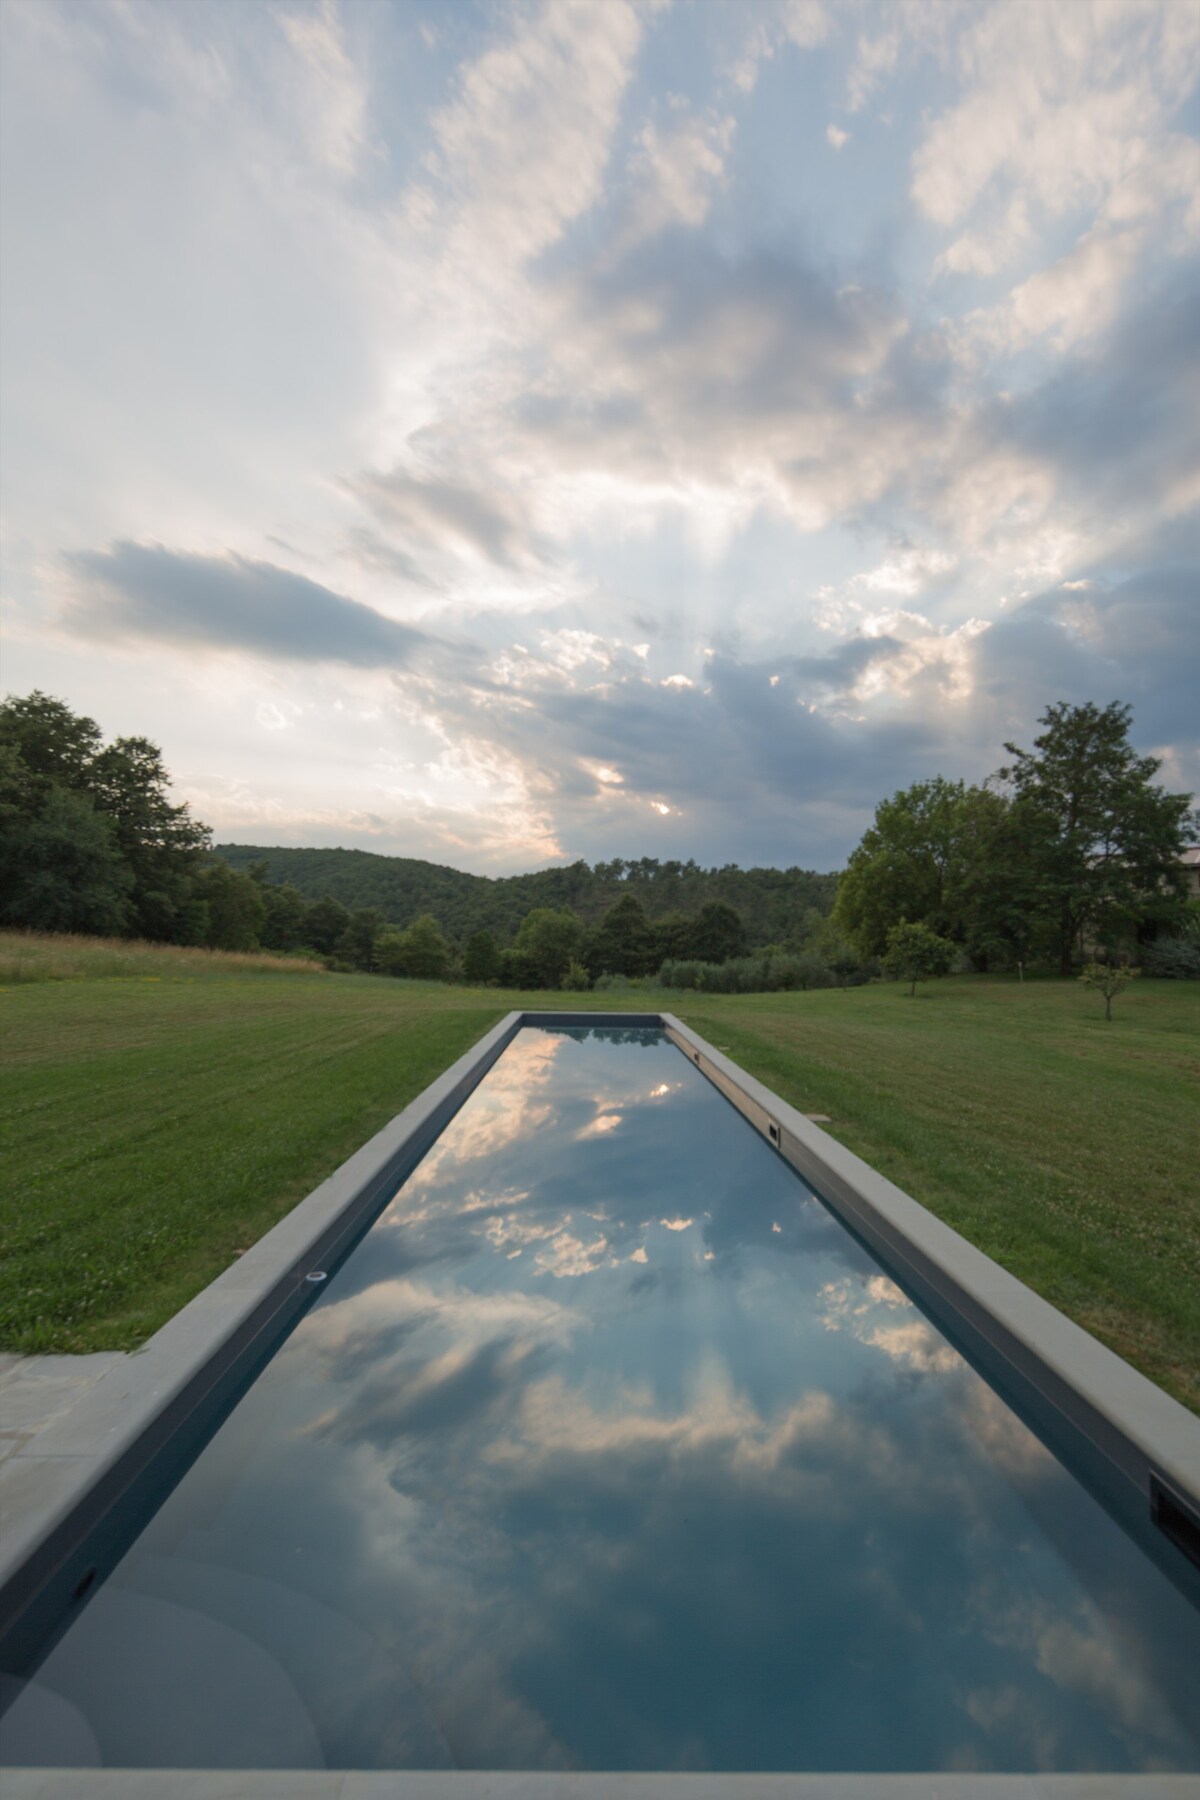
(624, 943)
(1104, 841)
(1108, 979)
(717, 933)
(420, 952)
(161, 843)
(63, 871)
(481, 960)
(547, 943)
(913, 863)
(914, 953)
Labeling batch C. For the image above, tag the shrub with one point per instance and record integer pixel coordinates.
(767, 973)
(1176, 958)
(576, 980)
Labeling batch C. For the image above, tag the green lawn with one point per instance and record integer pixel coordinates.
(155, 1123)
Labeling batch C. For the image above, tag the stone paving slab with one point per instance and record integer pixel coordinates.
(37, 1391)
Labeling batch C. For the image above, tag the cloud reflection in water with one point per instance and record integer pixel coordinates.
(737, 1505)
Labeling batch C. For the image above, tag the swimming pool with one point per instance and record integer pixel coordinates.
(610, 1447)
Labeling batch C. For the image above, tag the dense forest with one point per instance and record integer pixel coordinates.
(771, 903)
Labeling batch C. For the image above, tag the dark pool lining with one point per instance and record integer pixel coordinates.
(48, 1593)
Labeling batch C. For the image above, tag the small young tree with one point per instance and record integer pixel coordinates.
(576, 979)
(1108, 979)
(914, 953)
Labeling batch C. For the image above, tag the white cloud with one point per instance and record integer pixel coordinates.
(522, 149)
(804, 24)
(567, 1255)
(1066, 109)
(875, 61)
(986, 251)
(675, 172)
(333, 96)
(836, 137)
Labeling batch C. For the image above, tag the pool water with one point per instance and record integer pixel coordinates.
(608, 1447)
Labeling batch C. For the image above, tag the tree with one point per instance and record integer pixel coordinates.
(913, 863)
(547, 943)
(325, 922)
(356, 945)
(624, 944)
(161, 843)
(1002, 922)
(717, 933)
(836, 951)
(672, 936)
(285, 912)
(63, 870)
(914, 953)
(233, 906)
(1104, 842)
(54, 744)
(1108, 979)
(421, 952)
(481, 962)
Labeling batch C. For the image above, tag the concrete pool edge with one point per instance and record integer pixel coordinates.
(353, 1784)
(1118, 1421)
(55, 1490)
(79, 1469)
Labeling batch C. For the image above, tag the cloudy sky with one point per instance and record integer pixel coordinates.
(504, 433)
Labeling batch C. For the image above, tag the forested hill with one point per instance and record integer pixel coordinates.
(772, 902)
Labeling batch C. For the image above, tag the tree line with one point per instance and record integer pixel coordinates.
(768, 901)
(1068, 850)
(90, 842)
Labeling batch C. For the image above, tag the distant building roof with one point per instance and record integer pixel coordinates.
(1191, 857)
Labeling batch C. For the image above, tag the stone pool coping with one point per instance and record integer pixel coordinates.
(334, 1784)
(63, 1486)
(1114, 1424)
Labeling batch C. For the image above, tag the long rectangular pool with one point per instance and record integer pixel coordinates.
(610, 1447)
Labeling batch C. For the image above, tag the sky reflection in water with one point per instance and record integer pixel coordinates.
(609, 1448)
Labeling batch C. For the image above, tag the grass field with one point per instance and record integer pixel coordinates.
(158, 1118)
